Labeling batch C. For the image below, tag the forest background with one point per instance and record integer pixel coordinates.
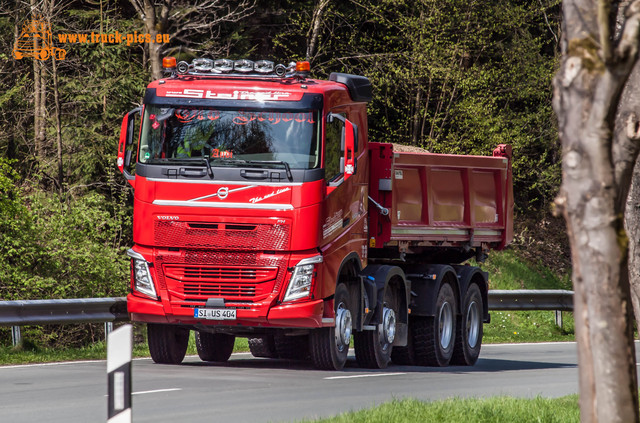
(455, 76)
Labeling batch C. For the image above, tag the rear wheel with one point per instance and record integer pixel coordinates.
(263, 346)
(374, 347)
(330, 346)
(434, 337)
(470, 330)
(215, 347)
(167, 344)
(292, 347)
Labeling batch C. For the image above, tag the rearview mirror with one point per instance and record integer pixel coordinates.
(125, 147)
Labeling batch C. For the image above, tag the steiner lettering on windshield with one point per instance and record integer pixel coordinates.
(186, 115)
(243, 118)
(273, 117)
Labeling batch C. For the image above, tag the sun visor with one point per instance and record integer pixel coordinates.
(359, 87)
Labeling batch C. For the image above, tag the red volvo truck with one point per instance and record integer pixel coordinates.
(262, 211)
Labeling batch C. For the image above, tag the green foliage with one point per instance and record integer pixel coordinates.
(61, 251)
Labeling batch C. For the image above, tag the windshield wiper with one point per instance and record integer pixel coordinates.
(203, 159)
(275, 162)
(287, 168)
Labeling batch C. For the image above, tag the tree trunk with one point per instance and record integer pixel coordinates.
(56, 96)
(632, 225)
(314, 28)
(595, 183)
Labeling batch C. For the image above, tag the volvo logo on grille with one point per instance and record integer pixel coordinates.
(223, 193)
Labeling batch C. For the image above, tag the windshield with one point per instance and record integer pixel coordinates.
(230, 137)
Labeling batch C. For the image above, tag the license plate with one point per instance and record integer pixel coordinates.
(215, 313)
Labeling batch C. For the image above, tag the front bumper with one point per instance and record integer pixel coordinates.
(304, 314)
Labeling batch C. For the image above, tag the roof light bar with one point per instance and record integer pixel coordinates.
(242, 68)
(202, 65)
(243, 65)
(263, 66)
(223, 65)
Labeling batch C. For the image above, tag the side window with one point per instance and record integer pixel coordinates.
(333, 149)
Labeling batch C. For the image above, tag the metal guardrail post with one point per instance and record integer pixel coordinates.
(16, 336)
(108, 328)
(559, 318)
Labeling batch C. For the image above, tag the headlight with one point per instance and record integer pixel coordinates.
(302, 279)
(142, 281)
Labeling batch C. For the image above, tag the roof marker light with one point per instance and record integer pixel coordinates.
(169, 62)
(303, 66)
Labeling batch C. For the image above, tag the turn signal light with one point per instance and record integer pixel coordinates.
(169, 62)
(303, 66)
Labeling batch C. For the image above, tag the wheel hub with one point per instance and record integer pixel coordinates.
(387, 330)
(446, 325)
(473, 324)
(343, 327)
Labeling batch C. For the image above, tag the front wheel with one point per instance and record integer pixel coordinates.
(330, 346)
(167, 344)
(434, 337)
(469, 333)
(216, 347)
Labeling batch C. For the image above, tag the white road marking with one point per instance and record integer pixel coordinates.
(366, 375)
(155, 391)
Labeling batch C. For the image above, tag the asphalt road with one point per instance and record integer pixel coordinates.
(248, 389)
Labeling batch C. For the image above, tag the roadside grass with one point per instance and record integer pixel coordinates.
(454, 410)
(506, 271)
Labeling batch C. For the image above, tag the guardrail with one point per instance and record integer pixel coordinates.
(109, 310)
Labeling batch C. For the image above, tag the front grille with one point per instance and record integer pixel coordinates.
(218, 235)
(220, 273)
(218, 290)
(195, 275)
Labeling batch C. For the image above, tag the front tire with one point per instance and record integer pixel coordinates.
(434, 337)
(216, 347)
(470, 329)
(374, 347)
(330, 346)
(167, 344)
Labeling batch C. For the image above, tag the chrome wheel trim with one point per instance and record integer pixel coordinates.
(473, 324)
(343, 327)
(446, 325)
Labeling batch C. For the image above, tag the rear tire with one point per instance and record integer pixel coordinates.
(263, 346)
(470, 329)
(167, 344)
(374, 347)
(292, 347)
(434, 337)
(216, 347)
(330, 346)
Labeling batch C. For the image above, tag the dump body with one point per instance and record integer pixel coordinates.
(440, 200)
